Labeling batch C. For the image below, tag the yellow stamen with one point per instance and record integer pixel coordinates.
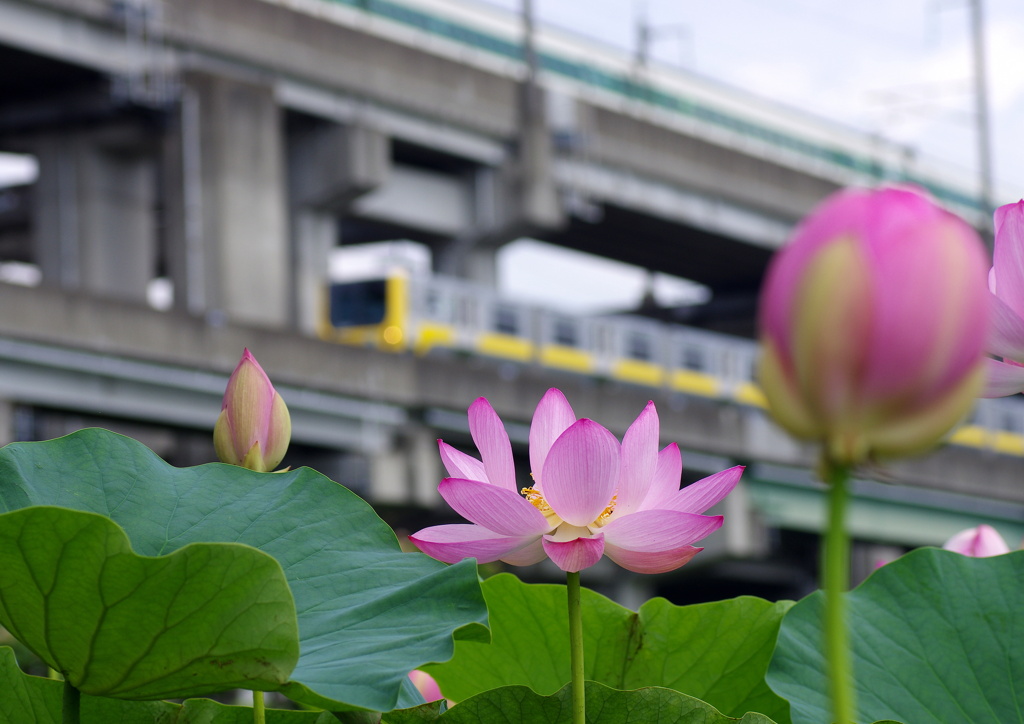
(606, 513)
(536, 499)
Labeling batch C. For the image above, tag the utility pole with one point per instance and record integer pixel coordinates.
(643, 40)
(646, 33)
(981, 116)
(530, 57)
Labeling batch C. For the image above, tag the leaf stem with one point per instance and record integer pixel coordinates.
(259, 712)
(579, 701)
(835, 574)
(72, 702)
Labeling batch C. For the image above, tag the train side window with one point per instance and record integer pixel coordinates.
(433, 303)
(1012, 423)
(976, 417)
(750, 365)
(694, 358)
(505, 320)
(466, 316)
(357, 304)
(638, 347)
(566, 333)
(603, 339)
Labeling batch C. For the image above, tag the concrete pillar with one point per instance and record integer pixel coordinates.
(745, 536)
(427, 469)
(329, 166)
(228, 257)
(389, 476)
(408, 471)
(6, 422)
(94, 216)
(314, 235)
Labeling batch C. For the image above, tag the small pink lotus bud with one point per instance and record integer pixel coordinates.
(254, 427)
(873, 320)
(426, 685)
(980, 542)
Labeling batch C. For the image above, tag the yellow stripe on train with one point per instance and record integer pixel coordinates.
(430, 336)
(748, 393)
(567, 358)
(695, 383)
(640, 373)
(506, 346)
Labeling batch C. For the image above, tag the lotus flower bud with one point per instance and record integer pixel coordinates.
(873, 321)
(254, 427)
(426, 685)
(980, 542)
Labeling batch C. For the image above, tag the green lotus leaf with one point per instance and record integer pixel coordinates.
(206, 618)
(520, 704)
(28, 699)
(936, 637)
(205, 711)
(718, 652)
(368, 613)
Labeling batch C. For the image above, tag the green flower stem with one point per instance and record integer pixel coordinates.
(579, 700)
(835, 574)
(259, 712)
(72, 704)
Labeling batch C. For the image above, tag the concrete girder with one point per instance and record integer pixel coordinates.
(104, 345)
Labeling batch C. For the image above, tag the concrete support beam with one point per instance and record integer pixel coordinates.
(94, 215)
(538, 200)
(497, 213)
(521, 198)
(431, 202)
(229, 255)
(329, 165)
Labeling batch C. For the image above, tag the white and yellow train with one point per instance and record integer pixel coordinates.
(422, 314)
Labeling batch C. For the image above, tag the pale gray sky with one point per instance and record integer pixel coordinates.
(901, 68)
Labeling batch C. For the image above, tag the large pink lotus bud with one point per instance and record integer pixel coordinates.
(254, 427)
(873, 320)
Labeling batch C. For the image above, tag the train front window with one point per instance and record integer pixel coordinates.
(358, 304)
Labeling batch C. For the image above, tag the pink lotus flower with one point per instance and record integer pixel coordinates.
(1006, 282)
(590, 496)
(254, 428)
(980, 542)
(873, 320)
